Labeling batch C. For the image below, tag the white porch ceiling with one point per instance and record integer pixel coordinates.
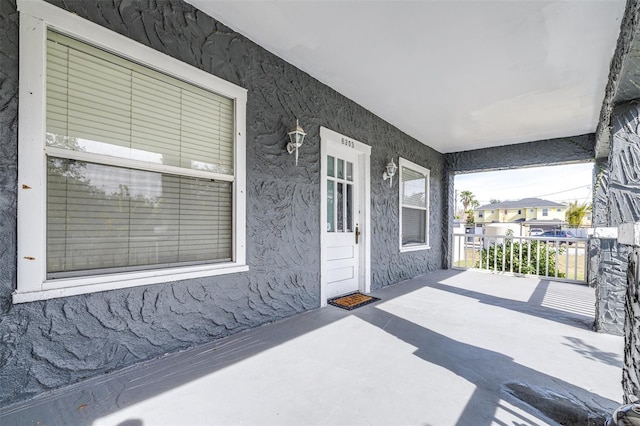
(455, 75)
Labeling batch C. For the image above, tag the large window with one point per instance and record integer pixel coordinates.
(143, 163)
(414, 206)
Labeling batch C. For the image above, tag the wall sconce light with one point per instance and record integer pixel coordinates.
(297, 137)
(390, 172)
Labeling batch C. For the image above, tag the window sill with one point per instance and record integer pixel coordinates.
(54, 289)
(414, 248)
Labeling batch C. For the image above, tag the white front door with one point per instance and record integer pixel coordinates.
(344, 242)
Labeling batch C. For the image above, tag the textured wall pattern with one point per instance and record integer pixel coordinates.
(44, 345)
(607, 260)
(630, 378)
(610, 286)
(540, 153)
(624, 159)
(616, 201)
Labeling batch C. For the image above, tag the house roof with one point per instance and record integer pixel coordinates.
(456, 76)
(521, 204)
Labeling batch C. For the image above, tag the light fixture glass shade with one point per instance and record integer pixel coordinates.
(391, 168)
(390, 171)
(296, 136)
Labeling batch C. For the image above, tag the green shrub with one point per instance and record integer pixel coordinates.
(542, 254)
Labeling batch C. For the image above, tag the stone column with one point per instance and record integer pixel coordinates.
(448, 212)
(607, 264)
(630, 234)
(616, 201)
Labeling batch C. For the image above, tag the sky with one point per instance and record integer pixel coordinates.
(561, 184)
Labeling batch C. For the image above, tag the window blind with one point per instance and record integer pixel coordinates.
(103, 218)
(413, 226)
(100, 103)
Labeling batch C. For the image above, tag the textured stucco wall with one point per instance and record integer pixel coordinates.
(631, 370)
(44, 345)
(616, 201)
(624, 161)
(607, 260)
(540, 153)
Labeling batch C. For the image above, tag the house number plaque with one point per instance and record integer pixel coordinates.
(348, 142)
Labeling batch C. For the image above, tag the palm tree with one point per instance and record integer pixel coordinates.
(576, 213)
(469, 202)
(467, 199)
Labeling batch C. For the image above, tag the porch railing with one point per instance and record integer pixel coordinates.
(562, 259)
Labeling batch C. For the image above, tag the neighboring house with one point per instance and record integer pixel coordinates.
(532, 212)
(149, 202)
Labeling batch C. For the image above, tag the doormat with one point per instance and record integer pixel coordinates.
(352, 301)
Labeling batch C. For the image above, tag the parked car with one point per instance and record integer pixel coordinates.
(534, 232)
(557, 234)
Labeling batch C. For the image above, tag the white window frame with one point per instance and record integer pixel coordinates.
(36, 17)
(545, 212)
(402, 162)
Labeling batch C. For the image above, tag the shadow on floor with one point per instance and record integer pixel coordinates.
(534, 306)
(591, 352)
(83, 403)
(491, 372)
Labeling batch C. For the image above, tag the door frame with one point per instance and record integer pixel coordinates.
(363, 151)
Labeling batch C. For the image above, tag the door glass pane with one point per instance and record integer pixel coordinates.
(349, 171)
(340, 169)
(340, 205)
(349, 200)
(331, 221)
(330, 165)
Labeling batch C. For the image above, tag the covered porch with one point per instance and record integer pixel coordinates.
(447, 347)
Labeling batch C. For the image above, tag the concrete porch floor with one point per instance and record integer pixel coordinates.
(447, 348)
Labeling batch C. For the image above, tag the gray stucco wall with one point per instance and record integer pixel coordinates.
(624, 161)
(616, 201)
(48, 344)
(606, 261)
(631, 370)
(540, 153)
